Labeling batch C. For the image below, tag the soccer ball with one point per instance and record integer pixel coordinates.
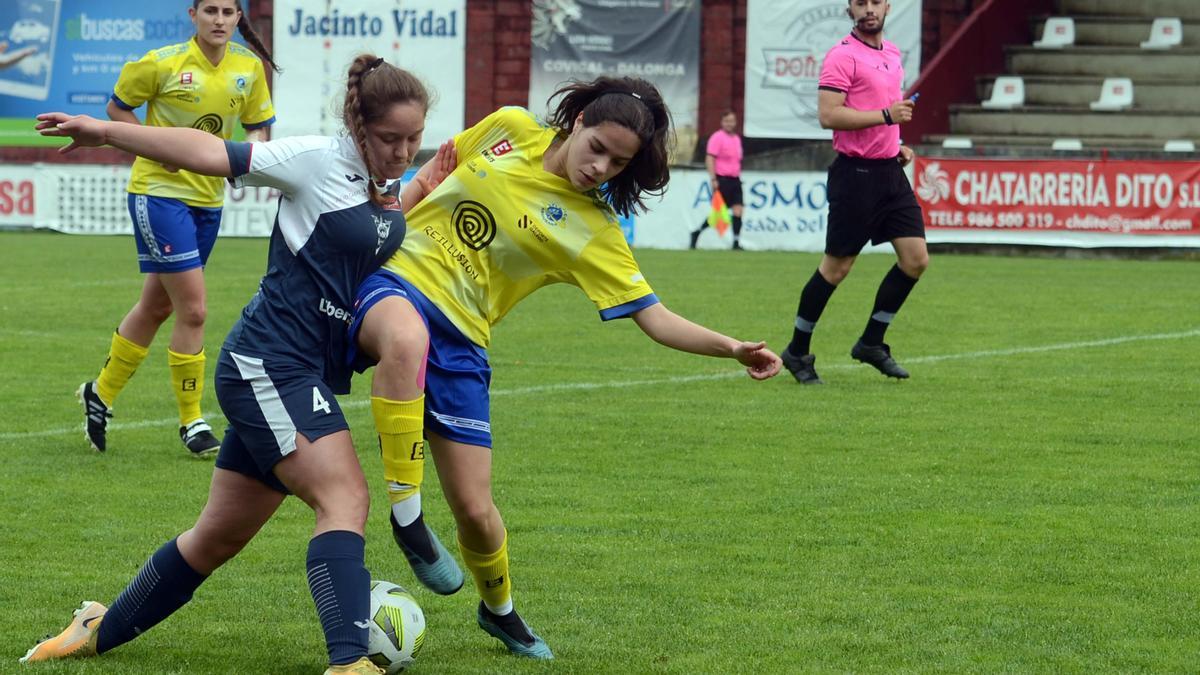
(397, 628)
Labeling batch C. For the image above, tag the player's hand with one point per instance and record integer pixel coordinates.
(443, 164)
(11, 58)
(902, 111)
(84, 131)
(761, 363)
(906, 155)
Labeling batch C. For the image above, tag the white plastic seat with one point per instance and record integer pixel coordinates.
(1007, 92)
(1115, 94)
(957, 143)
(1179, 145)
(1058, 32)
(1164, 34)
(1066, 144)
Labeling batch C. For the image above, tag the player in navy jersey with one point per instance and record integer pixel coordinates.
(283, 361)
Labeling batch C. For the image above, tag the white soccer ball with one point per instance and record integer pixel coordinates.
(397, 628)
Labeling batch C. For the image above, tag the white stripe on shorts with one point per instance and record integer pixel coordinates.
(141, 208)
(462, 422)
(269, 402)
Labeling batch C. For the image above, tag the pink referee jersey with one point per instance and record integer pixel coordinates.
(726, 148)
(871, 79)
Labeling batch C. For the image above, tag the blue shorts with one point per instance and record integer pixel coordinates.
(267, 403)
(172, 236)
(457, 375)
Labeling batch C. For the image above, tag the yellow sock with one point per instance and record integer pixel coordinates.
(123, 360)
(400, 425)
(490, 572)
(187, 378)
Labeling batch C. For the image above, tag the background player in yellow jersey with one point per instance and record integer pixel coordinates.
(207, 83)
(529, 204)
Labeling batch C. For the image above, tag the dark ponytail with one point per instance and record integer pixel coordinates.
(636, 105)
(372, 87)
(249, 34)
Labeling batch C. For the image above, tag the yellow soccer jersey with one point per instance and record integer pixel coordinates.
(182, 88)
(500, 227)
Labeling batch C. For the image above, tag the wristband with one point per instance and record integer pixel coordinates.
(887, 117)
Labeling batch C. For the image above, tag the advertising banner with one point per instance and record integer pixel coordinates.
(1060, 202)
(65, 55)
(17, 193)
(315, 41)
(657, 40)
(786, 41)
(784, 211)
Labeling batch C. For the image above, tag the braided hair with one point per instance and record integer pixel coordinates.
(373, 86)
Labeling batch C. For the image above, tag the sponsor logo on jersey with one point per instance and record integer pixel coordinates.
(185, 78)
(474, 223)
(354, 178)
(212, 123)
(333, 311)
(502, 148)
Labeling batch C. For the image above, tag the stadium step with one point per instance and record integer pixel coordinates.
(1132, 62)
(1180, 94)
(1117, 31)
(981, 143)
(1184, 9)
(1071, 122)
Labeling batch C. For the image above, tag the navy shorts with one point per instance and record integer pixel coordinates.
(457, 375)
(869, 200)
(172, 236)
(267, 403)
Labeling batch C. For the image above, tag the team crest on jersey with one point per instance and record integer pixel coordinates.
(383, 227)
(553, 214)
(240, 83)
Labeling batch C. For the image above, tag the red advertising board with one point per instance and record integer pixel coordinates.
(1123, 197)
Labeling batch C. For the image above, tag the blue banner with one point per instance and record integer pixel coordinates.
(71, 51)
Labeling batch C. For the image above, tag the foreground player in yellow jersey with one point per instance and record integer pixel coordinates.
(206, 83)
(529, 204)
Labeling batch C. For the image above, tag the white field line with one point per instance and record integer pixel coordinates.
(614, 384)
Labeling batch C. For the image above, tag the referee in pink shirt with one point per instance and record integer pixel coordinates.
(723, 159)
(870, 199)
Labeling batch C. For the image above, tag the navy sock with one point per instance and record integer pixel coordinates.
(165, 583)
(341, 589)
(813, 299)
(892, 293)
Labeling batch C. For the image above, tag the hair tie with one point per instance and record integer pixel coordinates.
(375, 64)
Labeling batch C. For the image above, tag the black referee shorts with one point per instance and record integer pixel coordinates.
(869, 200)
(731, 190)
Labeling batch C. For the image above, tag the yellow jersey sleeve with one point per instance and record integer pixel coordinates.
(138, 82)
(608, 274)
(258, 108)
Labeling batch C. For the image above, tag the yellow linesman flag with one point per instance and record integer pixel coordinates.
(718, 216)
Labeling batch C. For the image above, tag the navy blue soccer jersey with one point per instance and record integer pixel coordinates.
(328, 237)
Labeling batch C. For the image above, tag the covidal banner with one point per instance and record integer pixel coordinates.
(315, 41)
(65, 55)
(658, 40)
(1060, 202)
(786, 42)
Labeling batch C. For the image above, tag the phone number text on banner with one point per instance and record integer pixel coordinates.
(1155, 201)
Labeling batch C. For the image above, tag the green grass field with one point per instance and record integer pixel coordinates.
(1028, 502)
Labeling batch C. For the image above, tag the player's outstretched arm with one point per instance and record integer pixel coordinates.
(191, 149)
(430, 175)
(668, 328)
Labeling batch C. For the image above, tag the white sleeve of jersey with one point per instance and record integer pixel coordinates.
(289, 164)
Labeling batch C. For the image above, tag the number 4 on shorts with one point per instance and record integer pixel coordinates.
(319, 402)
